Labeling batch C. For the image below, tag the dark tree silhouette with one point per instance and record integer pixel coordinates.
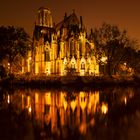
(14, 44)
(112, 42)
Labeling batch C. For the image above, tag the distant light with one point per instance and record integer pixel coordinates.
(92, 122)
(8, 99)
(82, 128)
(125, 100)
(104, 108)
(30, 58)
(104, 59)
(30, 109)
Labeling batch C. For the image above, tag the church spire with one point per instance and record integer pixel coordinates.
(81, 22)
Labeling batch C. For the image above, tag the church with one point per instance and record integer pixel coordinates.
(61, 49)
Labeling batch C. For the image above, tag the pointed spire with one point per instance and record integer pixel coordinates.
(81, 22)
(73, 11)
(91, 35)
(91, 31)
(65, 16)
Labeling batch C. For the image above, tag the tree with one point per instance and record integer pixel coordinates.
(112, 42)
(3, 72)
(133, 59)
(137, 63)
(14, 44)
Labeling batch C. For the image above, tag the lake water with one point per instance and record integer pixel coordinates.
(107, 114)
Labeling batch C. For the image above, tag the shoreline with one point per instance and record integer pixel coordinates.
(76, 82)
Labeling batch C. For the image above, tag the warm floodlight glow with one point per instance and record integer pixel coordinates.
(82, 72)
(30, 58)
(104, 108)
(65, 105)
(104, 59)
(83, 102)
(73, 105)
(125, 100)
(8, 99)
(30, 109)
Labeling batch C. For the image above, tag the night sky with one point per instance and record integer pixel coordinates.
(124, 13)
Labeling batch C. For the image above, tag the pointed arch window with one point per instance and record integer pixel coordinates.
(46, 55)
(72, 65)
(65, 63)
(83, 65)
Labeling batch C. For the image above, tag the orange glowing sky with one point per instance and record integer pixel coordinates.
(124, 13)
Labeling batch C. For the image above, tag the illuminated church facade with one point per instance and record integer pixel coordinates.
(61, 48)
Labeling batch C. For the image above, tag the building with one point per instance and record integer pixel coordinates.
(59, 49)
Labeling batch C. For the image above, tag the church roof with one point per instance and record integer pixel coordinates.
(68, 21)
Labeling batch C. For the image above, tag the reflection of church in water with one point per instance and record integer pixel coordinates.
(53, 109)
(60, 48)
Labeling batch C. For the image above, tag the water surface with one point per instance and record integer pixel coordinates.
(108, 114)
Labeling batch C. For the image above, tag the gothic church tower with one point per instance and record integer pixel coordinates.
(44, 40)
